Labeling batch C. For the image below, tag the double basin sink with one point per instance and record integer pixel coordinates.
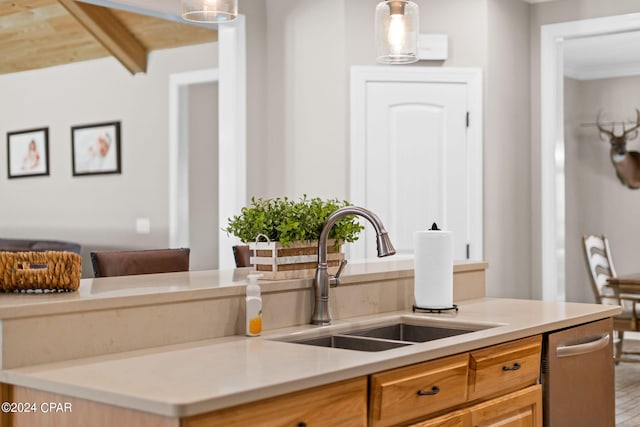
(395, 333)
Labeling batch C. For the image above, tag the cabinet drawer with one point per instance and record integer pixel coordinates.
(505, 367)
(343, 404)
(408, 393)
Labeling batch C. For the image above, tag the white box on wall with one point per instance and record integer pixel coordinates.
(433, 47)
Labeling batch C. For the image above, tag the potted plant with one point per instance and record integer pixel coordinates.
(284, 233)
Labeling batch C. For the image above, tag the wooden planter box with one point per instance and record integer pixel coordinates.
(296, 261)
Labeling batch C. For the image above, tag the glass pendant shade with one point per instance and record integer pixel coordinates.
(210, 10)
(397, 32)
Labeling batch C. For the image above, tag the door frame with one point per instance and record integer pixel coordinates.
(472, 77)
(232, 135)
(552, 188)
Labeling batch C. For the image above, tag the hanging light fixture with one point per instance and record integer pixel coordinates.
(217, 11)
(397, 32)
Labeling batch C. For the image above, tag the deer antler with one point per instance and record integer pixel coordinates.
(635, 127)
(603, 130)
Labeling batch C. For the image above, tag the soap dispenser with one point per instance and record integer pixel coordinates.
(254, 306)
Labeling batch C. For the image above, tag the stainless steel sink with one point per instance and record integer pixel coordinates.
(409, 332)
(400, 332)
(353, 343)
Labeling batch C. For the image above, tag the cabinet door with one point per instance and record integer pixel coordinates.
(461, 418)
(343, 404)
(522, 408)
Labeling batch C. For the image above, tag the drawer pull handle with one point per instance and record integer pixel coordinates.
(434, 390)
(515, 367)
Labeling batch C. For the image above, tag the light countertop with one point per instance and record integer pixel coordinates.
(197, 377)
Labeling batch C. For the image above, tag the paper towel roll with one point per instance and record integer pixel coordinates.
(433, 266)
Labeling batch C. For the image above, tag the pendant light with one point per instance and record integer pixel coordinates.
(397, 32)
(213, 11)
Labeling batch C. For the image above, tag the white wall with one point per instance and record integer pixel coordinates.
(507, 185)
(95, 211)
(597, 202)
(306, 110)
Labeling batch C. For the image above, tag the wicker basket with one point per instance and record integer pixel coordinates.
(46, 271)
(298, 260)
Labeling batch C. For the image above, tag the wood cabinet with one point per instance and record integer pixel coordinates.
(495, 385)
(522, 408)
(460, 418)
(343, 404)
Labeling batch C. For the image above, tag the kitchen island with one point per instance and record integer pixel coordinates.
(164, 348)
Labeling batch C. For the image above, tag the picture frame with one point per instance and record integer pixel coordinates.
(28, 153)
(95, 149)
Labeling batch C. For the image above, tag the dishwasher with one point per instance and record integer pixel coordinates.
(578, 376)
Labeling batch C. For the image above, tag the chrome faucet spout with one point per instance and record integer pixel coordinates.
(323, 280)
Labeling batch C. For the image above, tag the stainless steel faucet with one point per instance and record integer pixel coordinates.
(323, 280)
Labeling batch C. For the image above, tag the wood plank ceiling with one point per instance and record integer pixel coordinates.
(44, 33)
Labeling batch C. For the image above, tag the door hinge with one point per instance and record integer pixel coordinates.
(468, 251)
(468, 115)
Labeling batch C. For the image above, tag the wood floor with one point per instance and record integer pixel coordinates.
(628, 391)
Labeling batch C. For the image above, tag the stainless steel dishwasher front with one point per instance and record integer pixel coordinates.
(578, 376)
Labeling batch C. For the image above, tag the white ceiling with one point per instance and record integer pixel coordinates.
(597, 57)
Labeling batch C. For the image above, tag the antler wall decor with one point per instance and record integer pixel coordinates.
(626, 163)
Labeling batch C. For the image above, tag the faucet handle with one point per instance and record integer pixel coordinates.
(335, 280)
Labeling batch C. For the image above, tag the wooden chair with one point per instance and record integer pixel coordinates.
(242, 255)
(600, 265)
(128, 263)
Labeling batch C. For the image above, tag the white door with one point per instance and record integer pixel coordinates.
(418, 165)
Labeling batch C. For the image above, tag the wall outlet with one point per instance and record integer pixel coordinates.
(143, 226)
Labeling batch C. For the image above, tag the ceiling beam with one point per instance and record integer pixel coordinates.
(111, 33)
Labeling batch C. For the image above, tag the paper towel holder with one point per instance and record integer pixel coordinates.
(434, 310)
(434, 227)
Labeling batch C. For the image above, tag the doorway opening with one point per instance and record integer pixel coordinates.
(552, 286)
(193, 160)
(230, 166)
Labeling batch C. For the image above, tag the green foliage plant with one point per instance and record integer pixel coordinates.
(286, 221)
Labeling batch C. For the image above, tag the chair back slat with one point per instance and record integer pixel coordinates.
(600, 265)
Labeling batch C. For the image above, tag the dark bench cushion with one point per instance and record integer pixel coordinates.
(25, 245)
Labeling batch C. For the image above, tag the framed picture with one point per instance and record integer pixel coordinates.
(95, 149)
(28, 153)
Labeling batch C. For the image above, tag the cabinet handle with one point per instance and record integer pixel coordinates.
(302, 424)
(515, 367)
(434, 390)
(588, 347)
